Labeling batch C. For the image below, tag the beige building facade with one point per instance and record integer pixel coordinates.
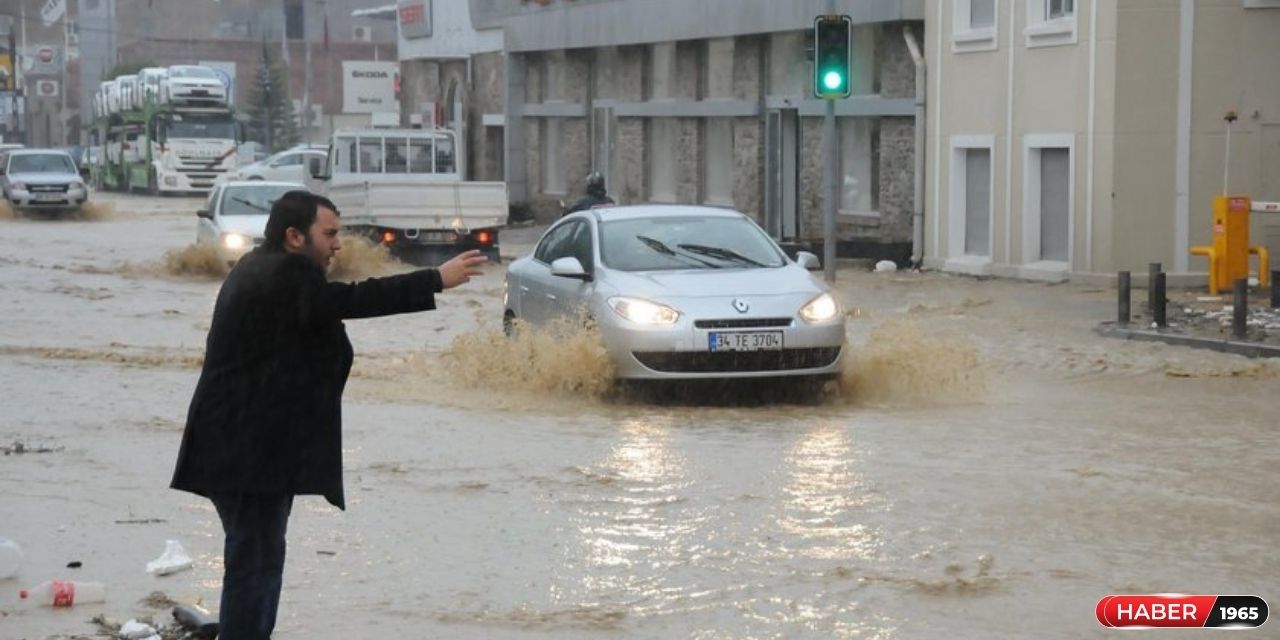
(1070, 139)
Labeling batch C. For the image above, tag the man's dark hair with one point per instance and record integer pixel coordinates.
(295, 209)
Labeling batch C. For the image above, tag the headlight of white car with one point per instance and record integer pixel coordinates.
(235, 240)
(820, 309)
(643, 311)
(18, 186)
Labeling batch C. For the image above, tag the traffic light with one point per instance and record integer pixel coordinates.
(832, 44)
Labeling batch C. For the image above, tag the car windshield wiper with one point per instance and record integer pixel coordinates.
(661, 247)
(720, 252)
(251, 204)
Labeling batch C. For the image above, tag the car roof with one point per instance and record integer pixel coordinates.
(262, 183)
(644, 211)
(35, 152)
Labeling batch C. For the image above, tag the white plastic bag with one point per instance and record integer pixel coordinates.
(173, 560)
(134, 630)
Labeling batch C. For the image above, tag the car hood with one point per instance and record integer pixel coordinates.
(44, 178)
(704, 283)
(252, 226)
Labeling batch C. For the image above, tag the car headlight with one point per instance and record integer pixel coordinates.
(820, 309)
(235, 241)
(18, 186)
(643, 311)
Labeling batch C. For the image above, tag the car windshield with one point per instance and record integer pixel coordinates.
(253, 200)
(42, 163)
(660, 244)
(198, 128)
(192, 72)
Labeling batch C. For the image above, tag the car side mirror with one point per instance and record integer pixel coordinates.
(569, 267)
(204, 213)
(317, 169)
(808, 260)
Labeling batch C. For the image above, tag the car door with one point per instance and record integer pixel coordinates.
(206, 229)
(533, 285)
(566, 297)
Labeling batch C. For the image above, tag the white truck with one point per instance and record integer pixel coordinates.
(403, 188)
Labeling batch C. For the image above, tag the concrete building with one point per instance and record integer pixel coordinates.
(452, 73)
(706, 102)
(1075, 138)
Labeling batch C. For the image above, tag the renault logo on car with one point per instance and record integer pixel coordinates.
(740, 305)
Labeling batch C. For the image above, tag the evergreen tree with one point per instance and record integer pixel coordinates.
(271, 118)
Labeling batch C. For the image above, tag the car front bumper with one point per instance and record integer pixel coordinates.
(682, 351)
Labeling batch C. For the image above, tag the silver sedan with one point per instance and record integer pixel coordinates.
(681, 292)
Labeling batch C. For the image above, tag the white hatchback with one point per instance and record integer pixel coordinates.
(234, 218)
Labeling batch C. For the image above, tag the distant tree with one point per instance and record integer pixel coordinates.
(271, 120)
(127, 68)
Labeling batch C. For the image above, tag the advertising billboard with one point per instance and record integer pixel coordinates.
(369, 86)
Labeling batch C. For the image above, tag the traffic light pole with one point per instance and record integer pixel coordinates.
(829, 191)
(829, 182)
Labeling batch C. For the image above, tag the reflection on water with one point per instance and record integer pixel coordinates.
(824, 493)
(631, 529)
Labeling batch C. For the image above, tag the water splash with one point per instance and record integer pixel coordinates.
(198, 260)
(902, 365)
(360, 258)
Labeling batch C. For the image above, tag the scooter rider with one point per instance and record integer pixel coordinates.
(596, 195)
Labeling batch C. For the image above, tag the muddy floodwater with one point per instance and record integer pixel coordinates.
(986, 468)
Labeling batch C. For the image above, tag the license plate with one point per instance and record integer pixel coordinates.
(48, 197)
(433, 237)
(745, 341)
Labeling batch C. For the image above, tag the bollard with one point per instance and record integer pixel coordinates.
(1275, 290)
(1158, 302)
(1153, 270)
(1240, 308)
(1123, 316)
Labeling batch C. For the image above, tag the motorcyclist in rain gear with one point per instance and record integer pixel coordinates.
(596, 195)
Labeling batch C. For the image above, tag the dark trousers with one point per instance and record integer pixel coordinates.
(254, 560)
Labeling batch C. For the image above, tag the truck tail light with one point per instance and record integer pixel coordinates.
(388, 237)
(484, 237)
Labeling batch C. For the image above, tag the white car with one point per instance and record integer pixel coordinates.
(235, 216)
(193, 86)
(293, 165)
(42, 180)
(681, 292)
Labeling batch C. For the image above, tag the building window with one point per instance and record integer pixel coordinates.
(1059, 8)
(1050, 23)
(973, 26)
(717, 169)
(662, 160)
(859, 175)
(553, 158)
(1048, 202)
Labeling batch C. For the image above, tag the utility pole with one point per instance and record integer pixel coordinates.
(19, 83)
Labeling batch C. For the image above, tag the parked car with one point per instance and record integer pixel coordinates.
(293, 165)
(681, 292)
(42, 180)
(235, 215)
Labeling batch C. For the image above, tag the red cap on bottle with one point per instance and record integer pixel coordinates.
(22, 593)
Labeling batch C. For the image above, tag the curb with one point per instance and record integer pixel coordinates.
(1247, 349)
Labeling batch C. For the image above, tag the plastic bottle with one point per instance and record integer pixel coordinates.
(10, 558)
(64, 593)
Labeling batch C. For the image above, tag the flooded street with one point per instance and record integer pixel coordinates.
(986, 468)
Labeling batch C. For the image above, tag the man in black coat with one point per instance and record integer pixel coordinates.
(265, 423)
(597, 195)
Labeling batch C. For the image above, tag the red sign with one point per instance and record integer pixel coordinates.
(1176, 610)
(412, 14)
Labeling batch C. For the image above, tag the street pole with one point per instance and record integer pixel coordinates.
(829, 182)
(19, 83)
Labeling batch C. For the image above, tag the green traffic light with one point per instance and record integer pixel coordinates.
(832, 80)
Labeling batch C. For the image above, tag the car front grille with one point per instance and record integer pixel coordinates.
(737, 361)
(47, 188)
(742, 323)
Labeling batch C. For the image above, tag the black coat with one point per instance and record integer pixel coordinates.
(589, 201)
(266, 416)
